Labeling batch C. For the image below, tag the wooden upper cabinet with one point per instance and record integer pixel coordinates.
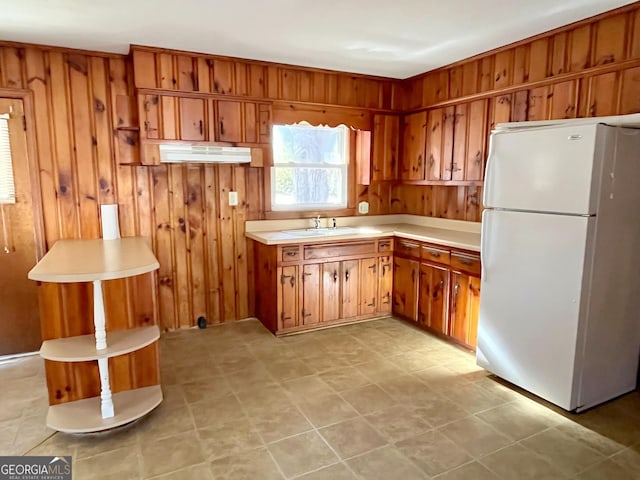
(229, 121)
(413, 146)
(204, 119)
(193, 125)
(476, 141)
(148, 108)
(242, 122)
(168, 117)
(445, 144)
(386, 142)
(439, 144)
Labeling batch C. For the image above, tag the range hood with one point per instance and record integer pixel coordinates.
(172, 153)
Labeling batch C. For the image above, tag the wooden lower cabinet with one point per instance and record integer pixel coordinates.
(310, 313)
(313, 286)
(438, 288)
(350, 291)
(288, 297)
(405, 287)
(368, 288)
(465, 303)
(434, 296)
(331, 300)
(385, 284)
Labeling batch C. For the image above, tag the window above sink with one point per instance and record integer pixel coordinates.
(309, 167)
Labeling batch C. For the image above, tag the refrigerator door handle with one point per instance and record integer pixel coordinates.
(488, 176)
(484, 243)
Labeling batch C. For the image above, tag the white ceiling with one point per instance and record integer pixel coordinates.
(379, 37)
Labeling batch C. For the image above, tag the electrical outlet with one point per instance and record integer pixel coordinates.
(233, 199)
(363, 207)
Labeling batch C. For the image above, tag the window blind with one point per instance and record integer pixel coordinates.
(7, 188)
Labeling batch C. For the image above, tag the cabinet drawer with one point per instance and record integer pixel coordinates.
(407, 248)
(338, 250)
(290, 254)
(385, 245)
(466, 262)
(433, 254)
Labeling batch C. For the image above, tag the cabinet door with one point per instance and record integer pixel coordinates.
(439, 144)
(405, 288)
(288, 297)
(413, 146)
(149, 118)
(385, 284)
(310, 294)
(476, 140)
(368, 286)
(192, 119)
(330, 291)
(264, 123)
(169, 109)
(250, 132)
(434, 288)
(229, 121)
(470, 131)
(386, 136)
(465, 302)
(350, 287)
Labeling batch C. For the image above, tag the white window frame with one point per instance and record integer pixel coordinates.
(7, 182)
(343, 167)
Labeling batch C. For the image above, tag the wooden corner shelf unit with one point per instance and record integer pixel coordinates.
(71, 261)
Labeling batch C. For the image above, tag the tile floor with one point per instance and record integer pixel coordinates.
(23, 405)
(376, 400)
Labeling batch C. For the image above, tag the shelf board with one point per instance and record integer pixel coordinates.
(97, 259)
(83, 348)
(83, 416)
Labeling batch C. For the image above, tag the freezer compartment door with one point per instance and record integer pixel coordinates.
(551, 169)
(530, 304)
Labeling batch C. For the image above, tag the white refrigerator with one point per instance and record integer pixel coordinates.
(560, 301)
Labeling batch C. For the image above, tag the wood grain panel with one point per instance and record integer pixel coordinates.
(269, 81)
(597, 65)
(610, 44)
(580, 48)
(74, 120)
(74, 97)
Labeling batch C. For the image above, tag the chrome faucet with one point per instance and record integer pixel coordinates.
(316, 222)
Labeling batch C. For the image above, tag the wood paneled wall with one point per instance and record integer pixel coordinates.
(190, 72)
(73, 97)
(205, 264)
(590, 68)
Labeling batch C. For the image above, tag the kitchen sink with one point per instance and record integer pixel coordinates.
(319, 232)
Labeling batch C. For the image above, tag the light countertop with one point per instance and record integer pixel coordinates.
(450, 233)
